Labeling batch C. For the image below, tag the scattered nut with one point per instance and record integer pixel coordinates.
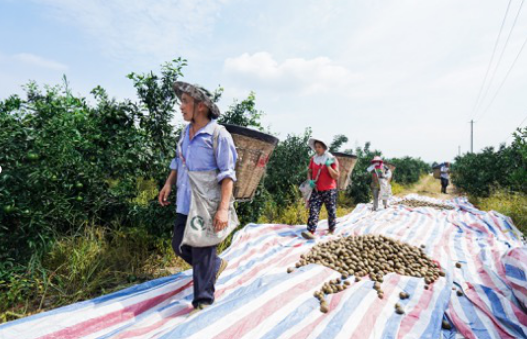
(446, 325)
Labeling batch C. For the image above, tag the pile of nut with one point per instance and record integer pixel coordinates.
(368, 255)
(421, 203)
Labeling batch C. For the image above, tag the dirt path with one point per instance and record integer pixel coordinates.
(430, 187)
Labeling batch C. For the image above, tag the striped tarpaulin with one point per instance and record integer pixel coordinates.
(256, 298)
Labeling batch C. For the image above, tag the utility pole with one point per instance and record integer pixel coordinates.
(471, 136)
(459, 150)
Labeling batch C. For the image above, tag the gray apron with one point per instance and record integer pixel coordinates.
(204, 202)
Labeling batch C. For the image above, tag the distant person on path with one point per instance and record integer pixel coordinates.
(204, 146)
(323, 172)
(445, 176)
(380, 184)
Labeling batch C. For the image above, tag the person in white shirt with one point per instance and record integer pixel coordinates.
(445, 176)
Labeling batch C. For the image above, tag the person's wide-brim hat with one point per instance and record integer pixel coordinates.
(376, 159)
(311, 143)
(197, 93)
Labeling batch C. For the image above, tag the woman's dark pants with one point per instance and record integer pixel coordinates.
(204, 261)
(329, 199)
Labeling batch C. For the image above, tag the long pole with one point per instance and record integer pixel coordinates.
(459, 150)
(471, 136)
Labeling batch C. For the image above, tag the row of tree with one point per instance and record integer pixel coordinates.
(504, 168)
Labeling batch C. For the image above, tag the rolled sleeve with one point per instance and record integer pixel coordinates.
(226, 157)
(173, 165)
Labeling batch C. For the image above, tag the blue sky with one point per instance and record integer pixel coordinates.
(404, 75)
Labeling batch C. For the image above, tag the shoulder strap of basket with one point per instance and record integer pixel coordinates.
(215, 136)
(319, 170)
(180, 144)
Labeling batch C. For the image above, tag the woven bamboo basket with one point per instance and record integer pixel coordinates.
(437, 171)
(254, 150)
(347, 163)
(391, 166)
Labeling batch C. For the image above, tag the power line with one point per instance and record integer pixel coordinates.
(504, 79)
(491, 60)
(489, 84)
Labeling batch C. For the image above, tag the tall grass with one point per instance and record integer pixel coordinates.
(510, 204)
(92, 262)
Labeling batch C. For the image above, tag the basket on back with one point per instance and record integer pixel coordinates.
(347, 163)
(437, 172)
(254, 150)
(391, 166)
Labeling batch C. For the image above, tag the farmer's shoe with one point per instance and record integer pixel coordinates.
(331, 231)
(309, 235)
(223, 265)
(197, 309)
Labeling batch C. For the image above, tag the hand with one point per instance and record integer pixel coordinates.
(312, 183)
(163, 195)
(221, 219)
(330, 161)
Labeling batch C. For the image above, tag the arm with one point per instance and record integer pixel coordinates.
(334, 172)
(226, 157)
(222, 216)
(167, 188)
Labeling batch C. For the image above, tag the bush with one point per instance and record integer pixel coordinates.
(479, 173)
(360, 189)
(67, 163)
(408, 170)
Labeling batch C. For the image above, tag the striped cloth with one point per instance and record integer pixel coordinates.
(256, 298)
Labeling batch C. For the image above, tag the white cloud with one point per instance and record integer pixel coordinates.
(128, 29)
(305, 76)
(38, 61)
(16, 70)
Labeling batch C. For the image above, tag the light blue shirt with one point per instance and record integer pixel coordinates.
(199, 156)
(444, 172)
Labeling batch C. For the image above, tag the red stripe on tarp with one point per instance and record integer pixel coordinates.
(371, 315)
(145, 330)
(96, 324)
(306, 331)
(252, 320)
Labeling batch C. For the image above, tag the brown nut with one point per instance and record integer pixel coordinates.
(446, 325)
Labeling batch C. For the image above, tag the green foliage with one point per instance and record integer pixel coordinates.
(338, 141)
(408, 170)
(67, 163)
(479, 173)
(243, 113)
(287, 168)
(360, 190)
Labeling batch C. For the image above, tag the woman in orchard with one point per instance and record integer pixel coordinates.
(380, 183)
(323, 172)
(204, 146)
